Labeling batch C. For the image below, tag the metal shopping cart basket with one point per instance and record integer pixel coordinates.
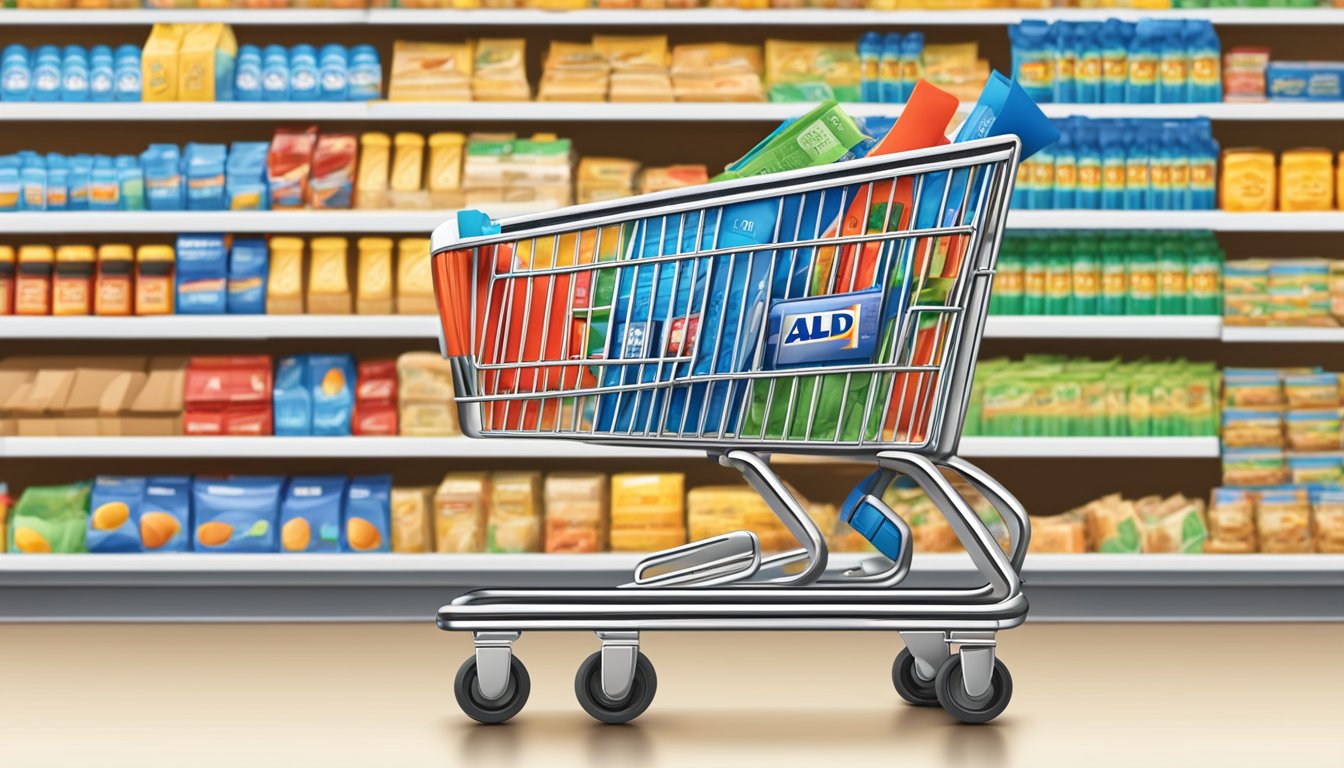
(834, 311)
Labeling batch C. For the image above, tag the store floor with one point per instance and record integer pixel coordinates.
(380, 695)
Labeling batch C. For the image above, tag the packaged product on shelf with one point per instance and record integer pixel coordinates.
(328, 277)
(800, 71)
(605, 178)
(1252, 429)
(661, 179)
(202, 275)
(500, 70)
(6, 280)
(113, 285)
(376, 398)
(205, 63)
(310, 515)
(1248, 182)
(573, 72)
(154, 280)
(366, 74)
(1313, 430)
(411, 519)
(1254, 466)
(1316, 470)
(228, 396)
(237, 514)
(576, 512)
(444, 176)
(1305, 81)
(115, 506)
(406, 185)
(639, 67)
(717, 72)
(1113, 525)
(165, 514)
(49, 519)
(415, 287)
(248, 265)
(1283, 521)
(374, 164)
(304, 82)
(1231, 522)
(430, 72)
(32, 283)
(368, 515)
(292, 397)
(1175, 524)
(284, 286)
(159, 62)
(460, 505)
(648, 511)
(424, 395)
(332, 378)
(245, 176)
(288, 166)
(718, 509)
(1244, 74)
(513, 522)
(1058, 534)
(1328, 520)
(157, 409)
(333, 174)
(373, 284)
(1306, 179)
(72, 285)
(275, 74)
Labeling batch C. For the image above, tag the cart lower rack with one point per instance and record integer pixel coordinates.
(831, 311)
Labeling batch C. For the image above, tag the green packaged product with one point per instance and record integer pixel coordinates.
(1114, 278)
(1058, 281)
(1142, 271)
(1009, 284)
(1206, 278)
(1033, 286)
(820, 137)
(1173, 292)
(1086, 276)
(50, 519)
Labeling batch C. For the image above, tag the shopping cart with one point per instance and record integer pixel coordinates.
(830, 311)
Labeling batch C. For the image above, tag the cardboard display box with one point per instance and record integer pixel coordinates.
(94, 396)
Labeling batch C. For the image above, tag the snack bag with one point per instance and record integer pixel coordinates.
(1283, 519)
(514, 518)
(288, 165)
(1114, 525)
(310, 516)
(292, 397)
(1231, 522)
(459, 512)
(115, 506)
(575, 512)
(1173, 525)
(237, 514)
(332, 183)
(165, 517)
(332, 378)
(412, 524)
(49, 520)
(368, 515)
(1328, 519)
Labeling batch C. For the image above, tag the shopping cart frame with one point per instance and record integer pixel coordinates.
(717, 588)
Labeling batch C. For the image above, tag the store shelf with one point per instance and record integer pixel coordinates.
(223, 327)
(528, 111)
(214, 587)
(423, 222)
(464, 448)
(1076, 327)
(1242, 334)
(709, 17)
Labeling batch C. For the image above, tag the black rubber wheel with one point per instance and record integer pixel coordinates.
(952, 693)
(588, 689)
(909, 685)
(468, 691)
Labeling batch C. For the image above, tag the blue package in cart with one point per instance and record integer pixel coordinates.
(237, 514)
(165, 518)
(368, 515)
(310, 516)
(115, 505)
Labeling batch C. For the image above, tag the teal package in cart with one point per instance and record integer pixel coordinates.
(165, 518)
(310, 516)
(115, 506)
(368, 515)
(237, 514)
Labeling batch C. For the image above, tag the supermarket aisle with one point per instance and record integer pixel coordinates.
(366, 695)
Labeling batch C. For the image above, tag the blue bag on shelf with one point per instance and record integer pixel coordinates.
(310, 515)
(332, 378)
(237, 514)
(165, 519)
(201, 275)
(368, 515)
(115, 505)
(249, 264)
(162, 165)
(292, 397)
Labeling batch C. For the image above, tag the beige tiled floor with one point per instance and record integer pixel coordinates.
(380, 695)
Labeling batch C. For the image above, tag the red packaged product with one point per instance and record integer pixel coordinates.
(228, 396)
(288, 166)
(376, 398)
(333, 178)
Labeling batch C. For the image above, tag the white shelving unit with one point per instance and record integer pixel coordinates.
(1076, 327)
(660, 18)
(550, 112)
(423, 222)
(464, 448)
(1242, 334)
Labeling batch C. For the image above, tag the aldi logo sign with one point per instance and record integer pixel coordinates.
(824, 330)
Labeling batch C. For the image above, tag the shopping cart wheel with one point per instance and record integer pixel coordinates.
(588, 689)
(952, 694)
(909, 685)
(467, 688)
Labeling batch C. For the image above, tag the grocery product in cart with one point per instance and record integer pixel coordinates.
(693, 318)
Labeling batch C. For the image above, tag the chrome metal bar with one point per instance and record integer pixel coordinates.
(759, 476)
(1005, 503)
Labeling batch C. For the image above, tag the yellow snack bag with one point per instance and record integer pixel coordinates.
(430, 72)
(207, 53)
(412, 523)
(373, 293)
(1248, 180)
(1305, 180)
(634, 54)
(159, 63)
(284, 285)
(328, 277)
(415, 285)
(375, 151)
(500, 72)
(444, 179)
(460, 505)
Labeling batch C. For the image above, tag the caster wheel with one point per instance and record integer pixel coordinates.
(952, 693)
(909, 685)
(468, 691)
(588, 689)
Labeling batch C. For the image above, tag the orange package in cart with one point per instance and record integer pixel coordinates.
(526, 319)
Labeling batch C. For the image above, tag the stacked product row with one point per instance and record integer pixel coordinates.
(1303, 179)
(557, 5)
(1282, 426)
(325, 395)
(1291, 292)
(218, 274)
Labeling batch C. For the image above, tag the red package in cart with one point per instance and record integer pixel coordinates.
(333, 178)
(289, 163)
(228, 396)
(376, 398)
